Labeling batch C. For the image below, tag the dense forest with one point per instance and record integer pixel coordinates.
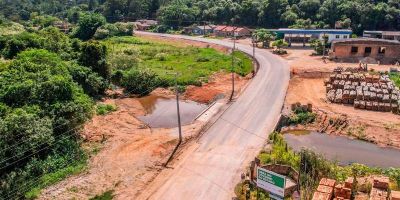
(358, 14)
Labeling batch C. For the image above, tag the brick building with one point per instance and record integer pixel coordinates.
(365, 49)
(228, 31)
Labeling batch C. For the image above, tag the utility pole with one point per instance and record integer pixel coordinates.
(232, 66)
(179, 121)
(204, 28)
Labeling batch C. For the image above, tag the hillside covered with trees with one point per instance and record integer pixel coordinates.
(358, 14)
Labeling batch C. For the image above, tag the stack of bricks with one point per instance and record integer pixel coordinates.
(363, 90)
(380, 188)
(324, 190)
(343, 191)
(395, 195)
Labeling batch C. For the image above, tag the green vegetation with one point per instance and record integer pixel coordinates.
(10, 28)
(301, 116)
(279, 44)
(357, 15)
(104, 109)
(107, 195)
(395, 77)
(46, 95)
(264, 36)
(55, 177)
(87, 25)
(313, 167)
(194, 65)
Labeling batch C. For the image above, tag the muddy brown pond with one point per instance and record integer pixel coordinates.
(344, 150)
(161, 111)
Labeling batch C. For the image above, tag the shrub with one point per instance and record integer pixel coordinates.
(140, 82)
(302, 117)
(94, 56)
(20, 42)
(122, 61)
(87, 25)
(104, 109)
(117, 29)
(202, 59)
(91, 82)
(161, 56)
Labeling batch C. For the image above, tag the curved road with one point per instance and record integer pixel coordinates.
(211, 168)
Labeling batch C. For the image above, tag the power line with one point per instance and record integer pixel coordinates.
(14, 193)
(245, 130)
(37, 151)
(24, 140)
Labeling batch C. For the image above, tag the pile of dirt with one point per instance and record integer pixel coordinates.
(218, 86)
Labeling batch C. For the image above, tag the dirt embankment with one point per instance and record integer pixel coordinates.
(131, 153)
(307, 86)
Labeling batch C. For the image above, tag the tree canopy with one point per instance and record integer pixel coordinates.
(357, 14)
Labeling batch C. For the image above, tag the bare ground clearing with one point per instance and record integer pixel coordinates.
(306, 86)
(132, 154)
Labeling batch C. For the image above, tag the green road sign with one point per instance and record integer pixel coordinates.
(271, 181)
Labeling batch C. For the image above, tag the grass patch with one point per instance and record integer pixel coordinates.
(104, 109)
(193, 64)
(395, 77)
(107, 195)
(52, 178)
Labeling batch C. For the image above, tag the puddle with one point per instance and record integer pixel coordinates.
(161, 111)
(345, 150)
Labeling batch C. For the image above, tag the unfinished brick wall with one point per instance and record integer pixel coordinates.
(344, 52)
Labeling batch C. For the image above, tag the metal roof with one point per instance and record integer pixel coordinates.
(313, 31)
(386, 33)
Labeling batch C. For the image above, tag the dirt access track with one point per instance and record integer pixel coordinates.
(127, 154)
(306, 86)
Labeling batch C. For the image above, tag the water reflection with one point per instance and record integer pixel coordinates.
(345, 150)
(161, 111)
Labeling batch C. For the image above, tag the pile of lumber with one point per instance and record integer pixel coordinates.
(363, 90)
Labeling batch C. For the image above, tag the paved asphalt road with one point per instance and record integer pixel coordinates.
(210, 169)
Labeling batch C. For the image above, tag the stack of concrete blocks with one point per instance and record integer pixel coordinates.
(324, 190)
(380, 188)
(343, 191)
(364, 91)
(395, 195)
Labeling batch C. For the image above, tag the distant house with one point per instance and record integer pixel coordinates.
(218, 31)
(360, 49)
(305, 35)
(63, 26)
(145, 24)
(387, 35)
(229, 31)
(199, 29)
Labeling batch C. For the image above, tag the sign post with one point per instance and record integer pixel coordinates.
(272, 182)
